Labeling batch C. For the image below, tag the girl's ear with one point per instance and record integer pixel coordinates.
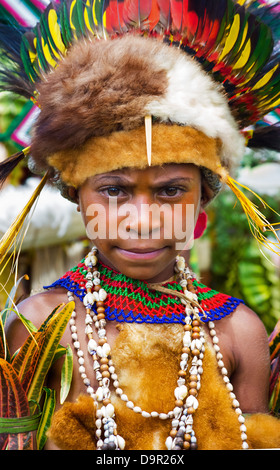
(74, 195)
(206, 196)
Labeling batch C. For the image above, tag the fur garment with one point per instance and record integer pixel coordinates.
(169, 144)
(147, 362)
(102, 87)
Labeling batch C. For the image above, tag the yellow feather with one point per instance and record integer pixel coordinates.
(55, 31)
(257, 222)
(9, 238)
(232, 37)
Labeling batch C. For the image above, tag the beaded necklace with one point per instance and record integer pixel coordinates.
(182, 435)
(132, 301)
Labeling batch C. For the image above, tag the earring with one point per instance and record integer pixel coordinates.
(201, 225)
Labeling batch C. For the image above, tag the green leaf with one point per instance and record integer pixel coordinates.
(47, 414)
(54, 332)
(66, 374)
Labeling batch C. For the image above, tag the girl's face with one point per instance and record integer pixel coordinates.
(140, 220)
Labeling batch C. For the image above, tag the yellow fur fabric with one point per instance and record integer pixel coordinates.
(170, 144)
(147, 361)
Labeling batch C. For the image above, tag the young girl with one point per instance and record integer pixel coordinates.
(125, 125)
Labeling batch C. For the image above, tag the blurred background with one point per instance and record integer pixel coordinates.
(227, 257)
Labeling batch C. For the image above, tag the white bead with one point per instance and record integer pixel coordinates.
(82, 369)
(189, 419)
(109, 411)
(99, 394)
(243, 428)
(196, 344)
(177, 411)
(215, 339)
(88, 330)
(187, 339)
(102, 294)
(89, 298)
(154, 414)
(229, 387)
(76, 345)
(103, 351)
(116, 383)
(238, 411)
(88, 319)
(119, 391)
(99, 414)
(81, 361)
(101, 333)
(120, 442)
(180, 263)
(124, 397)
(181, 392)
(235, 403)
(163, 416)
(241, 419)
(96, 281)
(245, 445)
(189, 295)
(168, 443)
(74, 336)
(145, 414)
(96, 296)
(92, 345)
(130, 405)
(98, 423)
(191, 401)
(137, 409)
(98, 433)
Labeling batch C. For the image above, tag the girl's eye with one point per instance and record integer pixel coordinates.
(171, 191)
(113, 191)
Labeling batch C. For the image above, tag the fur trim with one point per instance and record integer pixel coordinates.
(106, 86)
(148, 375)
(128, 149)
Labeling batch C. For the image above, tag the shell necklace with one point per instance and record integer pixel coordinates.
(182, 435)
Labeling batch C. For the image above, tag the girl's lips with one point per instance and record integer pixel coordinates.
(141, 254)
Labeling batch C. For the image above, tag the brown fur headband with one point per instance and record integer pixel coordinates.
(128, 149)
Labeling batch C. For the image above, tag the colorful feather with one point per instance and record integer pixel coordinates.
(231, 43)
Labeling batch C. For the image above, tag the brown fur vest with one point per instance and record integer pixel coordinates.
(147, 362)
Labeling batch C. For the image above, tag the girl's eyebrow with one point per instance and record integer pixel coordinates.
(124, 180)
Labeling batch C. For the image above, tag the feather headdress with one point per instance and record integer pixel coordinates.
(100, 70)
